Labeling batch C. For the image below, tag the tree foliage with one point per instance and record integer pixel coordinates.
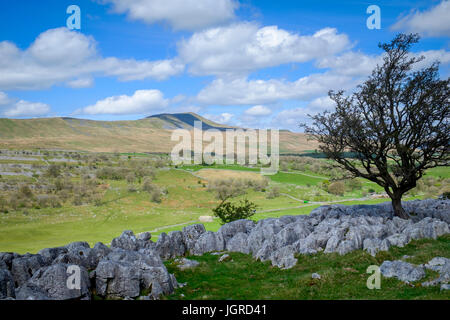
(396, 122)
(227, 211)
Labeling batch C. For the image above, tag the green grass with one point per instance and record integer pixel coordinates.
(197, 167)
(296, 178)
(342, 277)
(121, 210)
(440, 172)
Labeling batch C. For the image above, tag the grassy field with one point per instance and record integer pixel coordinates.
(143, 135)
(342, 277)
(187, 198)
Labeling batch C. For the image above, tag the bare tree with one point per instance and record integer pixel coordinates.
(396, 124)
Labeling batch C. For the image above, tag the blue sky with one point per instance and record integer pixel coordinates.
(249, 63)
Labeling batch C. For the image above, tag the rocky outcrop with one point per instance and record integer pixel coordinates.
(171, 245)
(52, 282)
(333, 228)
(191, 234)
(442, 266)
(401, 270)
(132, 267)
(184, 263)
(7, 289)
(408, 272)
(125, 273)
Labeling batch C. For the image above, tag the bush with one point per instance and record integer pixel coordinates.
(131, 177)
(273, 193)
(228, 212)
(229, 188)
(131, 188)
(446, 195)
(148, 186)
(46, 201)
(337, 188)
(355, 184)
(155, 196)
(53, 171)
(25, 191)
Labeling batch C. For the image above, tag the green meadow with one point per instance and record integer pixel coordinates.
(187, 198)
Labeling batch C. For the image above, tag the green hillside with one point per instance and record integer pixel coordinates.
(151, 134)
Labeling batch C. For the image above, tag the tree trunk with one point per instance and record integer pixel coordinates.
(398, 209)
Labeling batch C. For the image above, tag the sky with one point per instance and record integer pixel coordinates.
(249, 63)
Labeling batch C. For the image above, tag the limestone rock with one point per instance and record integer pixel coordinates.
(401, 270)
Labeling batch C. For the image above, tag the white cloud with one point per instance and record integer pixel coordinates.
(223, 118)
(64, 56)
(321, 103)
(290, 119)
(4, 99)
(81, 83)
(434, 22)
(13, 108)
(244, 47)
(131, 69)
(350, 63)
(179, 14)
(142, 101)
(431, 56)
(242, 91)
(258, 111)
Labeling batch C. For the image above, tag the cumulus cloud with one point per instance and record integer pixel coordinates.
(14, 108)
(258, 111)
(142, 101)
(81, 83)
(350, 63)
(223, 118)
(242, 91)
(244, 47)
(290, 118)
(321, 103)
(64, 56)
(179, 14)
(431, 23)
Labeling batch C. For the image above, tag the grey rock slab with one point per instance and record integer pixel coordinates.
(7, 289)
(191, 234)
(184, 263)
(23, 268)
(401, 270)
(170, 245)
(209, 242)
(238, 243)
(54, 281)
(284, 258)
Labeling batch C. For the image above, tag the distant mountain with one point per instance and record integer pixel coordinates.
(151, 134)
(186, 121)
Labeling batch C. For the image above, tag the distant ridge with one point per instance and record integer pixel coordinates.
(151, 134)
(186, 121)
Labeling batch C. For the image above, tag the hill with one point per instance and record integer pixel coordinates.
(151, 134)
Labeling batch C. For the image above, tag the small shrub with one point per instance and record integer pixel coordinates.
(228, 212)
(155, 196)
(131, 188)
(131, 177)
(25, 191)
(337, 188)
(53, 171)
(274, 192)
